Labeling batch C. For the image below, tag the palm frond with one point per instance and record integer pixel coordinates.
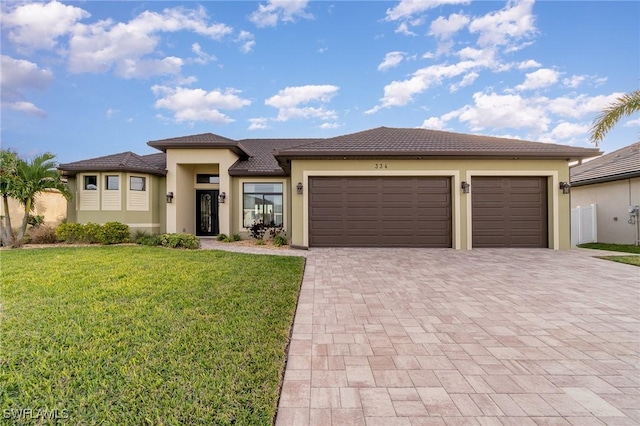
(624, 106)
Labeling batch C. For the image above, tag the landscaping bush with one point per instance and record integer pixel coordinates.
(148, 240)
(42, 234)
(70, 232)
(114, 233)
(280, 240)
(187, 241)
(260, 231)
(91, 233)
(235, 237)
(222, 237)
(35, 220)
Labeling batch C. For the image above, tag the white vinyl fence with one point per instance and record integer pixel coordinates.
(584, 225)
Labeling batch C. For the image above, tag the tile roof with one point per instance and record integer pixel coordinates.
(621, 164)
(261, 160)
(124, 161)
(411, 142)
(203, 140)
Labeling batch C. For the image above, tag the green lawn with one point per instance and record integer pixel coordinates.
(130, 335)
(624, 248)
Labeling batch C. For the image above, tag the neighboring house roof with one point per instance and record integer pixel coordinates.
(124, 161)
(412, 143)
(203, 140)
(621, 164)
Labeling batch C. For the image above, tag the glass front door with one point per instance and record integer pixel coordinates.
(207, 213)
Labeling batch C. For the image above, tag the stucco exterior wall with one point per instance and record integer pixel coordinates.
(182, 167)
(612, 200)
(459, 170)
(50, 204)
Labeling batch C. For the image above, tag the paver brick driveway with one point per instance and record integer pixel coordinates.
(489, 337)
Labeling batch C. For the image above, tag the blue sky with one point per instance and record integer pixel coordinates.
(85, 79)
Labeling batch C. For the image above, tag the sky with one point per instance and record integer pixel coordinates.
(91, 78)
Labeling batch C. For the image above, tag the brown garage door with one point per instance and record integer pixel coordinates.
(379, 212)
(509, 211)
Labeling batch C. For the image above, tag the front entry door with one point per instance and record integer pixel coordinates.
(207, 212)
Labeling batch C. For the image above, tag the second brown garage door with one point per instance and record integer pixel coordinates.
(509, 211)
(379, 212)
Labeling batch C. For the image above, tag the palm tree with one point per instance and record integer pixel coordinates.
(8, 175)
(34, 177)
(625, 105)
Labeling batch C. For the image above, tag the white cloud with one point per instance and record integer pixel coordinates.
(125, 47)
(434, 123)
(491, 110)
(407, 8)
(399, 93)
(391, 59)
(403, 28)
(578, 106)
(529, 64)
(201, 57)
(258, 123)
(189, 105)
(246, 40)
(289, 101)
(39, 25)
(540, 78)
(467, 80)
(111, 112)
(279, 10)
(26, 107)
(566, 130)
(329, 125)
(17, 76)
(505, 26)
(632, 123)
(445, 28)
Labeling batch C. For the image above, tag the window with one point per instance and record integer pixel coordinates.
(91, 182)
(138, 183)
(262, 203)
(207, 178)
(112, 182)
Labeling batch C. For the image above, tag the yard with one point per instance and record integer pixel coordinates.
(631, 259)
(133, 335)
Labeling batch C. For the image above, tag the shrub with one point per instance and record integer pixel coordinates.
(139, 234)
(280, 240)
(260, 231)
(235, 237)
(149, 240)
(69, 232)
(114, 233)
(222, 237)
(259, 242)
(91, 233)
(42, 234)
(35, 220)
(187, 241)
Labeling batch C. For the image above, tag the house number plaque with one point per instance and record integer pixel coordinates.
(380, 166)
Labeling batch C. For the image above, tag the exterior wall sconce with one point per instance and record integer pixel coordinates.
(222, 197)
(566, 187)
(466, 187)
(169, 197)
(299, 187)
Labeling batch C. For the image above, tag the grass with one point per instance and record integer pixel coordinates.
(625, 248)
(131, 335)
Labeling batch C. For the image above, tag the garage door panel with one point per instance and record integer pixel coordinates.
(509, 211)
(377, 211)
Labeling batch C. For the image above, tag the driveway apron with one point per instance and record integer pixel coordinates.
(445, 337)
